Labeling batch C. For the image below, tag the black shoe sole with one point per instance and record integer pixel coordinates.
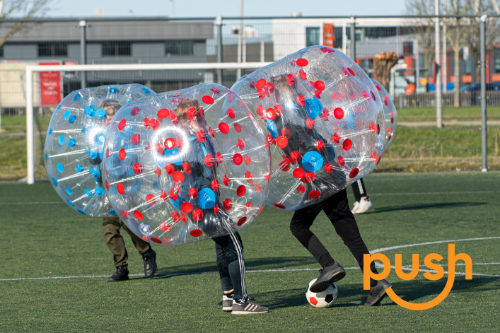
(377, 300)
(323, 285)
(153, 273)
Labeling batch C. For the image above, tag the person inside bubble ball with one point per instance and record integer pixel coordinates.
(111, 224)
(200, 177)
(336, 208)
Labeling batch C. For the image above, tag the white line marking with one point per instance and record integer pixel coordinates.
(31, 203)
(430, 243)
(293, 269)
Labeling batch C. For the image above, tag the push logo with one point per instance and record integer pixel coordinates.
(428, 261)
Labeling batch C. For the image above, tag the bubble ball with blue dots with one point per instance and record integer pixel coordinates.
(324, 123)
(73, 150)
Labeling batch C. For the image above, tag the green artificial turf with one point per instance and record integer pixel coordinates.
(42, 237)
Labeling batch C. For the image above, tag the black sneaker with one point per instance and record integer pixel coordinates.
(121, 274)
(329, 274)
(248, 307)
(377, 292)
(227, 302)
(150, 267)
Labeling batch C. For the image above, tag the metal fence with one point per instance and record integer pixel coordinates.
(102, 41)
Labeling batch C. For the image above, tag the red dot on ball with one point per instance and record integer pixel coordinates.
(298, 173)
(162, 113)
(347, 144)
(224, 128)
(338, 113)
(314, 194)
(122, 124)
(302, 62)
(207, 99)
(354, 172)
(241, 190)
(195, 232)
(241, 221)
(187, 207)
(178, 177)
(237, 159)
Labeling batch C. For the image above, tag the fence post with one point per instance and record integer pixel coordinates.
(218, 23)
(83, 50)
(484, 166)
(30, 179)
(437, 74)
(352, 51)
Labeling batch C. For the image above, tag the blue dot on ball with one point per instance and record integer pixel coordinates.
(112, 212)
(72, 119)
(206, 198)
(50, 131)
(60, 167)
(70, 203)
(79, 168)
(99, 191)
(71, 143)
(67, 114)
(101, 114)
(312, 161)
(61, 139)
(47, 156)
(89, 111)
(88, 192)
(145, 90)
(81, 211)
(271, 127)
(69, 190)
(77, 97)
(113, 90)
(54, 181)
(93, 154)
(313, 107)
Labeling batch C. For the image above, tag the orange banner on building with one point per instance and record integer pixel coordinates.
(328, 34)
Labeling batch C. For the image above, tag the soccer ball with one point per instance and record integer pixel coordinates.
(323, 299)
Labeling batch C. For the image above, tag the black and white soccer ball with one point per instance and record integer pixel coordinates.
(323, 299)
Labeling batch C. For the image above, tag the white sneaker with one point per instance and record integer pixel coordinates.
(355, 208)
(364, 205)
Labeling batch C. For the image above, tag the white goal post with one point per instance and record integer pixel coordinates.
(106, 68)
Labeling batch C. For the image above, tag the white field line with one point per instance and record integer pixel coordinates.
(371, 194)
(293, 269)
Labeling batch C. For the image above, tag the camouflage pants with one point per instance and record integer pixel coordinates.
(111, 230)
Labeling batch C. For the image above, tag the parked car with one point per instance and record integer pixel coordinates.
(476, 87)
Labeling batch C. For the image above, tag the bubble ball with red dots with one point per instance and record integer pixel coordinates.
(390, 115)
(73, 149)
(186, 165)
(323, 120)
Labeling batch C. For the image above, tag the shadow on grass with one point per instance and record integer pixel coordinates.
(354, 295)
(426, 206)
(250, 264)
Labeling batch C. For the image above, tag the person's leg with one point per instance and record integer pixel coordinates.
(358, 189)
(144, 248)
(140, 244)
(225, 278)
(111, 232)
(228, 264)
(337, 210)
(363, 202)
(300, 225)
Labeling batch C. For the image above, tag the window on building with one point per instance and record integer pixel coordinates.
(53, 49)
(1, 51)
(114, 49)
(179, 47)
(312, 36)
(497, 62)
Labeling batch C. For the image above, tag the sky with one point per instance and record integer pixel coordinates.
(212, 8)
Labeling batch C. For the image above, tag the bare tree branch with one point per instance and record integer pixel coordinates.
(23, 9)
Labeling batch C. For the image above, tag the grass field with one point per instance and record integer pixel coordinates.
(43, 238)
(421, 149)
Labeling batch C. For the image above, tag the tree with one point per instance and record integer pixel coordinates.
(25, 9)
(382, 63)
(423, 29)
(460, 32)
